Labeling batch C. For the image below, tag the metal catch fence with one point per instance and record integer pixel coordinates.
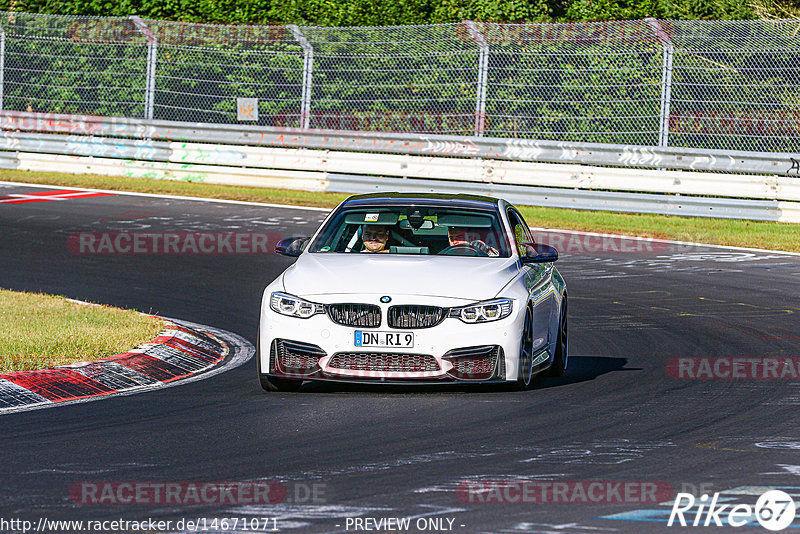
(723, 85)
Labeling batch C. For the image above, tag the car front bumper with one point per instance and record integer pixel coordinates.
(317, 348)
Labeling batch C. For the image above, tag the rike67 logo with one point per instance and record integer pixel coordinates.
(774, 510)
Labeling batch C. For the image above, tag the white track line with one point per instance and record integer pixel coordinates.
(311, 208)
(667, 241)
(172, 197)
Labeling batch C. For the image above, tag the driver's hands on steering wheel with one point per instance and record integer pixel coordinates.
(472, 248)
(483, 247)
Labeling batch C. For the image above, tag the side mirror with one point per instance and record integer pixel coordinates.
(291, 246)
(537, 253)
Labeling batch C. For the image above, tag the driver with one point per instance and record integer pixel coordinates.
(375, 238)
(459, 236)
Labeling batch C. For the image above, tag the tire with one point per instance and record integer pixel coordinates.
(559, 366)
(280, 384)
(525, 372)
(272, 383)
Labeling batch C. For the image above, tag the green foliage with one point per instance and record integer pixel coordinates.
(405, 12)
(493, 11)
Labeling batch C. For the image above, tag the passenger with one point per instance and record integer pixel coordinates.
(460, 237)
(375, 237)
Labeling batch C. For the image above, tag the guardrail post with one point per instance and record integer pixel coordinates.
(152, 50)
(483, 76)
(308, 66)
(666, 81)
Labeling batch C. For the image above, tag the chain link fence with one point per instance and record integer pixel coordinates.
(698, 84)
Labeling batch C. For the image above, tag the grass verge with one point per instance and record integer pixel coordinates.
(40, 331)
(733, 232)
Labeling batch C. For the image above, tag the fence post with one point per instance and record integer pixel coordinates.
(483, 76)
(308, 66)
(2, 65)
(666, 81)
(152, 50)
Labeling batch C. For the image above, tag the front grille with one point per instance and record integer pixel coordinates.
(295, 358)
(477, 363)
(366, 315)
(383, 361)
(413, 316)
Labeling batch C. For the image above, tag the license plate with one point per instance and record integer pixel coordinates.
(384, 339)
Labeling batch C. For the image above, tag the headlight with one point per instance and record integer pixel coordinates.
(483, 312)
(294, 306)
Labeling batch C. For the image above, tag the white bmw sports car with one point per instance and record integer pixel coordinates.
(415, 288)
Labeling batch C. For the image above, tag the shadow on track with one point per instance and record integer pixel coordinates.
(583, 369)
(580, 369)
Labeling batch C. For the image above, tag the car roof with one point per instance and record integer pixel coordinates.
(451, 200)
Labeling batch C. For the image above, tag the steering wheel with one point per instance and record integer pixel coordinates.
(462, 250)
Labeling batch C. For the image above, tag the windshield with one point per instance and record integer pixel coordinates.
(419, 230)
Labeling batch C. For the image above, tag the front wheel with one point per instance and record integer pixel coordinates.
(525, 375)
(279, 384)
(559, 365)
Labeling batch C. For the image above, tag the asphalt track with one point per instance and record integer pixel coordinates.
(616, 416)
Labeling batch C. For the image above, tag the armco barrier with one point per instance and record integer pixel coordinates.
(771, 210)
(447, 168)
(635, 156)
(608, 177)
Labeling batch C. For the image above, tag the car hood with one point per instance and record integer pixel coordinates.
(443, 276)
